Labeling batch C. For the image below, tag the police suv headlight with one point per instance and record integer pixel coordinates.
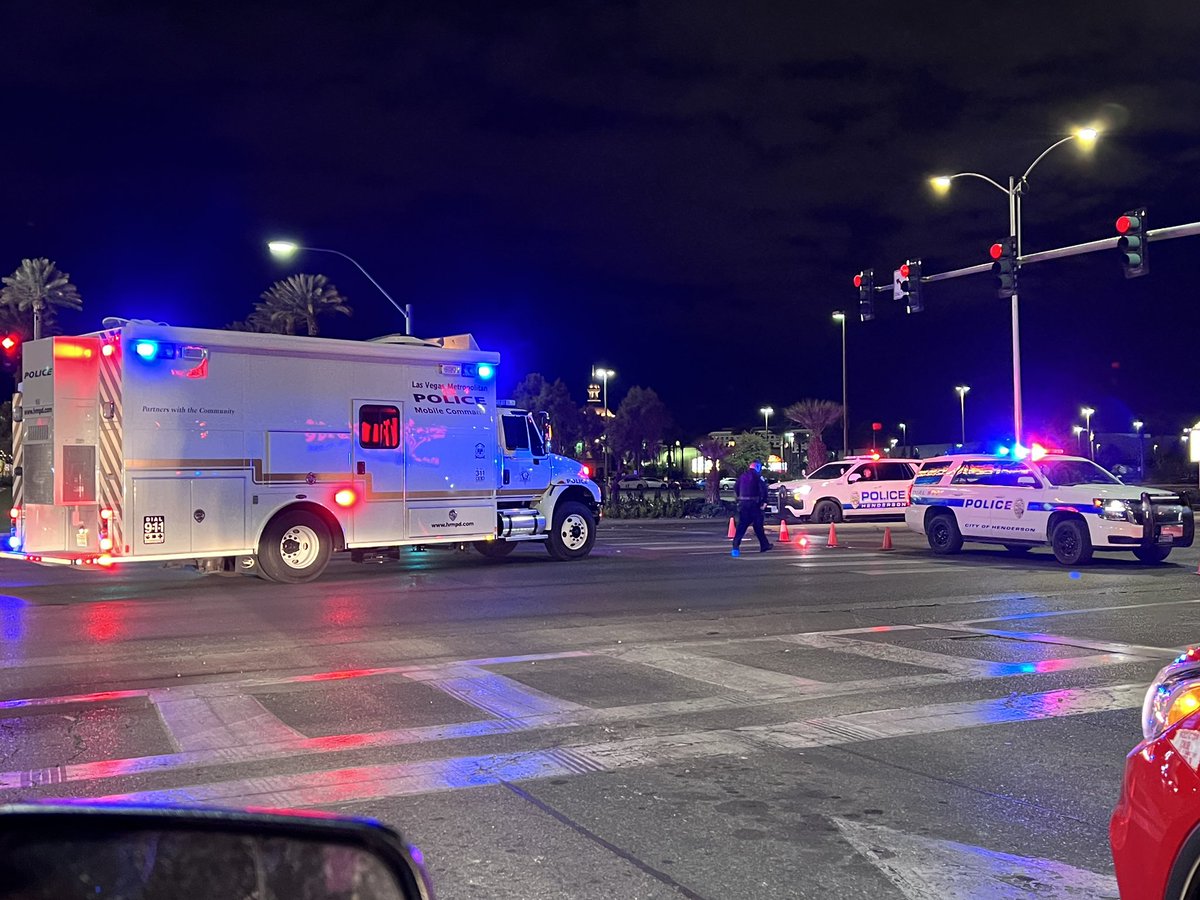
(1118, 510)
(1173, 695)
(805, 489)
(798, 493)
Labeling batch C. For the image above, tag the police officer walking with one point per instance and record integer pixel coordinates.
(751, 495)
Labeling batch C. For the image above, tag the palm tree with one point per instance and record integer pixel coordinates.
(815, 416)
(38, 285)
(299, 300)
(716, 450)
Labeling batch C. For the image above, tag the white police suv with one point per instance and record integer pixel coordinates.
(851, 488)
(1067, 502)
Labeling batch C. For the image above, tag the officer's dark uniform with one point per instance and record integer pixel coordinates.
(751, 495)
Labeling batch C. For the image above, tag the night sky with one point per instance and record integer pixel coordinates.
(681, 191)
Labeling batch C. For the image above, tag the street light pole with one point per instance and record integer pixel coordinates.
(962, 405)
(604, 374)
(1078, 429)
(904, 437)
(1138, 424)
(1087, 415)
(284, 249)
(840, 316)
(1015, 191)
(766, 412)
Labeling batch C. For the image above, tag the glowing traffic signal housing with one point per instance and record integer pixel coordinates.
(1132, 243)
(1004, 269)
(909, 286)
(865, 282)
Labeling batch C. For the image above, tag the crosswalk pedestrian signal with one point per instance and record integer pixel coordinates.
(1132, 243)
(908, 285)
(1004, 267)
(865, 282)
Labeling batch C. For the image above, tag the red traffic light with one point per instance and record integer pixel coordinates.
(858, 280)
(10, 341)
(997, 251)
(904, 270)
(1126, 224)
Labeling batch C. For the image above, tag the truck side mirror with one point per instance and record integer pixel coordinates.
(543, 423)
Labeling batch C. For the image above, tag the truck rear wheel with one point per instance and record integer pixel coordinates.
(573, 532)
(494, 549)
(294, 548)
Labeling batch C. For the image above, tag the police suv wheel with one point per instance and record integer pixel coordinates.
(495, 549)
(1071, 543)
(826, 512)
(294, 548)
(572, 533)
(943, 534)
(1152, 555)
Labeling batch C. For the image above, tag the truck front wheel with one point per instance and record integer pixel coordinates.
(294, 548)
(573, 532)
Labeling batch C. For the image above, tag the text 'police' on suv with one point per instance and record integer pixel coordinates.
(851, 488)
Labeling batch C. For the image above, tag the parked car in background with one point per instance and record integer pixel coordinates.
(641, 483)
(728, 484)
(853, 488)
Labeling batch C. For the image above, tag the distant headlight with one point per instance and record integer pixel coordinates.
(1174, 695)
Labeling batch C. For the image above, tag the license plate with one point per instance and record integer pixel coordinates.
(1173, 531)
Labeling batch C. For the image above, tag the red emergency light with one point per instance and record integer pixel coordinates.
(9, 342)
(858, 280)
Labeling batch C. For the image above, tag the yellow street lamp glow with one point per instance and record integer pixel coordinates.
(941, 183)
(1087, 135)
(282, 248)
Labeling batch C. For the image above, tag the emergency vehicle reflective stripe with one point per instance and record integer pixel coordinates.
(1086, 508)
(18, 484)
(112, 454)
(937, 501)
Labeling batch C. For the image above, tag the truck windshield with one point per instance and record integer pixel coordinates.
(537, 441)
(1067, 472)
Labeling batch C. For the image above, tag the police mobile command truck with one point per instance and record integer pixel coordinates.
(1067, 502)
(851, 488)
(267, 453)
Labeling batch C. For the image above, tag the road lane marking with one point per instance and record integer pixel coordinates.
(374, 782)
(729, 675)
(1068, 641)
(924, 868)
(197, 722)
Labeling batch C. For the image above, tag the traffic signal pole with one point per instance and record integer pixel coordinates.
(1014, 230)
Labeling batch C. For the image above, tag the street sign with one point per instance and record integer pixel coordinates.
(898, 292)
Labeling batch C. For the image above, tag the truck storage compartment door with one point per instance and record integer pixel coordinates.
(161, 516)
(218, 515)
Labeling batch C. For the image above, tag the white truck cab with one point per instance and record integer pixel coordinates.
(1067, 502)
(856, 487)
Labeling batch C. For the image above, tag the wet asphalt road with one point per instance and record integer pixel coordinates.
(657, 721)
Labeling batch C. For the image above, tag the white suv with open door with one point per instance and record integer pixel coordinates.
(852, 488)
(1066, 502)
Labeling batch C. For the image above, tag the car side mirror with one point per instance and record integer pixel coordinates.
(80, 851)
(853, 478)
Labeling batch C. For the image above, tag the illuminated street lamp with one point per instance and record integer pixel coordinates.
(1138, 424)
(1087, 412)
(604, 375)
(904, 437)
(767, 412)
(286, 249)
(840, 316)
(1015, 191)
(1078, 429)
(962, 406)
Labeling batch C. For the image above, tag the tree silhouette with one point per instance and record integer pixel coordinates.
(39, 287)
(815, 416)
(298, 301)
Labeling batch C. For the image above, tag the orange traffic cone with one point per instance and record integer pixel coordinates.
(887, 539)
(732, 529)
(832, 540)
(783, 532)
